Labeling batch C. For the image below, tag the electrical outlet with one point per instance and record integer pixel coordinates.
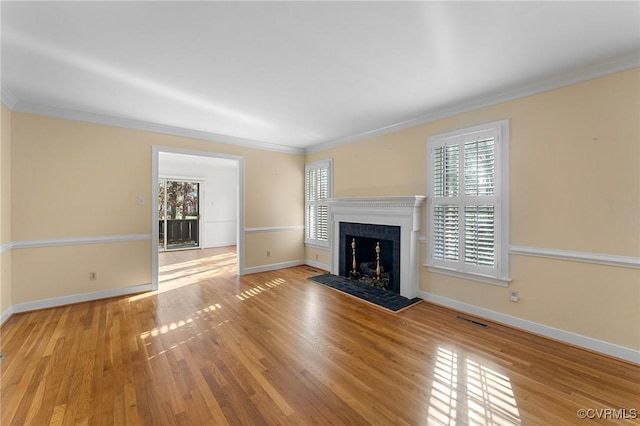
(514, 296)
(93, 276)
(268, 253)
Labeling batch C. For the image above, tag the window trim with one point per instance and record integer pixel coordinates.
(500, 274)
(328, 163)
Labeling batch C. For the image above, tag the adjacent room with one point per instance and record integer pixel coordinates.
(320, 213)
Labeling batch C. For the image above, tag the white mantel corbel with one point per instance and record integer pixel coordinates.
(402, 211)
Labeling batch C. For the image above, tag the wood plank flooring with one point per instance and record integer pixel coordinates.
(211, 348)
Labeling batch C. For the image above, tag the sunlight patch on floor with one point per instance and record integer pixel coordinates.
(165, 328)
(194, 273)
(176, 274)
(186, 276)
(259, 289)
(175, 325)
(195, 262)
(206, 313)
(466, 392)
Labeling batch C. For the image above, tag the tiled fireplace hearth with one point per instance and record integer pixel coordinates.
(399, 212)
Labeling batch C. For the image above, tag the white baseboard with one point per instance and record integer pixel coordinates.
(77, 298)
(222, 244)
(318, 265)
(274, 229)
(272, 267)
(595, 345)
(6, 314)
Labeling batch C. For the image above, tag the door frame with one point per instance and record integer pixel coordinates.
(155, 228)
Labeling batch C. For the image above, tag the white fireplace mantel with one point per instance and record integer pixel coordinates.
(402, 211)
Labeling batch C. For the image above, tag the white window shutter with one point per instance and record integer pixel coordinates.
(317, 193)
(464, 216)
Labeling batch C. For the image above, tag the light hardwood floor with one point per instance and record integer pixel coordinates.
(211, 348)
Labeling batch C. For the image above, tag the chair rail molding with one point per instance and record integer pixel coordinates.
(578, 256)
(54, 242)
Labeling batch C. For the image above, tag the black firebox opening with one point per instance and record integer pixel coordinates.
(367, 237)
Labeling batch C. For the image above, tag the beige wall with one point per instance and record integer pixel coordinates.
(274, 190)
(321, 257)
(575, 186)
(282, 247)
(77, 180)
(5, 210)
(53, 272)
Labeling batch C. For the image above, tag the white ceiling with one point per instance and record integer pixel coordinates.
(300, 75)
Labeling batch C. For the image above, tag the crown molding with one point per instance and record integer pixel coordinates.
(107, 120)
(621, 63)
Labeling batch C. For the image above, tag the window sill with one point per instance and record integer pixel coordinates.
(500, 282)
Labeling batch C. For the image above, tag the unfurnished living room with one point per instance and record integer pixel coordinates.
(296, 213)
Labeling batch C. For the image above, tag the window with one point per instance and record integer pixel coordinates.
(178, 214)
(468, 216)
(317, 188)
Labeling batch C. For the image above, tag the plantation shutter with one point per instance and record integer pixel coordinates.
(445, 232)
(479, 182)
(446, 217)
(463, 202)
(310, 205)
(479, 235)
(317, 193)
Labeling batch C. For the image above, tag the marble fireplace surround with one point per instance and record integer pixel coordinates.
(402, 211)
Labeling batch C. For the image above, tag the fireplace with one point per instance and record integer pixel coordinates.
(392, 221)
(370, 254)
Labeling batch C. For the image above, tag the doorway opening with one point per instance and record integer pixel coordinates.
(197, 208)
